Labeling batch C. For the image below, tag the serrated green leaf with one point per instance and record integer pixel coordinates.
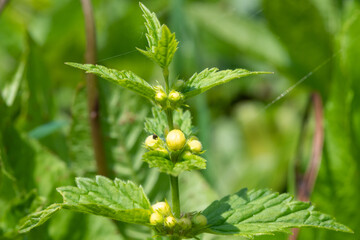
(152, 25)
(126, 79)
(166, 48)
(158, 123)
(119, 200)
(162, 43)
(36, 219)
(208, 78)
(161, 160)
(182, 121)
(260, 212)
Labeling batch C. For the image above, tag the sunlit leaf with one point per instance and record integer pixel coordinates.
(122, 78)
(119, 200)
(158, 123)
(152, 25)
(162, 43)
(208, 78)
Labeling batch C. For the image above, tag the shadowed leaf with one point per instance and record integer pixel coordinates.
(259, 212)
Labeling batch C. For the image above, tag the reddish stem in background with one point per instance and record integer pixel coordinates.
(3, 4)
(305, 183)
(92, 90)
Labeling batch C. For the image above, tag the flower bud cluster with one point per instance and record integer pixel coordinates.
(175, 144)
(162, 218)
(171, 101)
(165, 223)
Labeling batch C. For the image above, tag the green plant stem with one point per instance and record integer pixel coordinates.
(174, 181)
(166, 78)
(169, 115)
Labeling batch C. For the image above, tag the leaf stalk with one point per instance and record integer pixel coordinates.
(166, 78)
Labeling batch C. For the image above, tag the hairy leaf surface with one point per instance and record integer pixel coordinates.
(208, 78)
(152, 25)
(259, 212)
(126, 79)
(158, 123)
(162, 43)
(161, 160)
(119, 200)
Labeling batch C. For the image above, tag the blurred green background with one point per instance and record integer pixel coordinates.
(45, 136)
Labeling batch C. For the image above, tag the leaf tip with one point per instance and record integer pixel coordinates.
(143, 8)
(69, 63)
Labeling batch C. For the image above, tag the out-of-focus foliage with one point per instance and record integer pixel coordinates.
(45, 139)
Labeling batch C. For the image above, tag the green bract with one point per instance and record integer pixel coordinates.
(245, 213)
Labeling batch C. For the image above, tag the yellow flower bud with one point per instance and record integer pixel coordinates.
(175, 140)
(151, 141)
(186, 154)
(170, 222)
(199, 220)
(174, 96)
(160, 96)
(162, 208)
(156, 219)
(195, 146)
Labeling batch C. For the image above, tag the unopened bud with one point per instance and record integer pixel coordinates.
(174, 96)
(151, 141)
(160, 95)
(156, 219)
(195, 146)
(170, 222)
(162, 208)
(175, 140)
(199, 220)
(179, 85)
(186, 154)
(185, 223)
